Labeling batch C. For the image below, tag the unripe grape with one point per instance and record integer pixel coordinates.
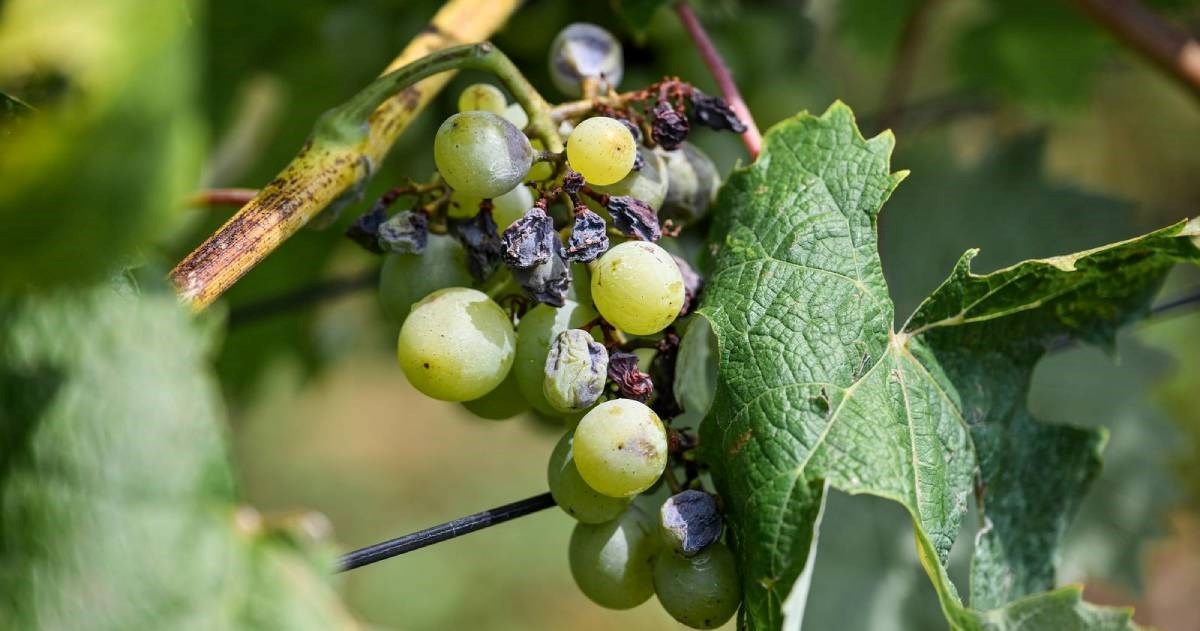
(511, 206)
(516, 115)
(506, 208)
(537, 329)
(576, 369)
(581, 51)
(407, 278)
(482, 97)
(703, 591)
(480, 154)
(637, 287)
(692, 183)
(648, 183)
(456, 345)
(602, 150)
(612, 562)
(503, 402)
(620, 447)
(573, 495)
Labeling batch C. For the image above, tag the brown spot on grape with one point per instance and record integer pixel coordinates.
(426, 364)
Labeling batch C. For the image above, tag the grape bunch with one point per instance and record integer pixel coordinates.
(555, 283)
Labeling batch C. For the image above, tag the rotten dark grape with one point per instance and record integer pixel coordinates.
(530, 240)
(631, 382)
(713, 112)
(634, 217)
(589, 237)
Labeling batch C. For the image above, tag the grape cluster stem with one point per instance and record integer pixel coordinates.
(326, 172)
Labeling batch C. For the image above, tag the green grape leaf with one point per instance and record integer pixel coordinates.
(119, 508)
(816, 386)
(96, 172)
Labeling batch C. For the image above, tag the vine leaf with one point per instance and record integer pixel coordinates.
(816, 387)
(119, 507)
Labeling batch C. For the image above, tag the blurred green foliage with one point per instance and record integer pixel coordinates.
(99, 170)
(1082, 143)
(120, 509)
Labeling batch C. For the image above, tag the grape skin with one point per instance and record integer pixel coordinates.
(692, 182)
(480, 154)
(573, 495)
(612, 563)
(406, 278)
(482, 97)
(602, 150)
(506, 208)
(536, 331)
(583, 50)
(503, 402)
(456, 345)
(637, 287)
(648, 184)
(702, 592)
(620, 448)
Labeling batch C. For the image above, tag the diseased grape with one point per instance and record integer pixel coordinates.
(573, 495)
(575, 372)
(480, 154)
(620, 447)
(537, 329)
(585, 51)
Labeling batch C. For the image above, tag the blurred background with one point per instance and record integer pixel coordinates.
(1029, 131)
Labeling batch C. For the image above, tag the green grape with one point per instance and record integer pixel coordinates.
(692, 180)
(620, 447)
(637, 287)
(540, 171)
(483, 97)
(602, 150)
(506, 208)
(573, 495)
(516, 115)
(480, 154)
(648, 184)
(407, 278)
(582, 51)
(503, 402)
(511, 206)
(612, 563)
(456, 345)
(462, 206)
(702, 592)
(537, 329)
